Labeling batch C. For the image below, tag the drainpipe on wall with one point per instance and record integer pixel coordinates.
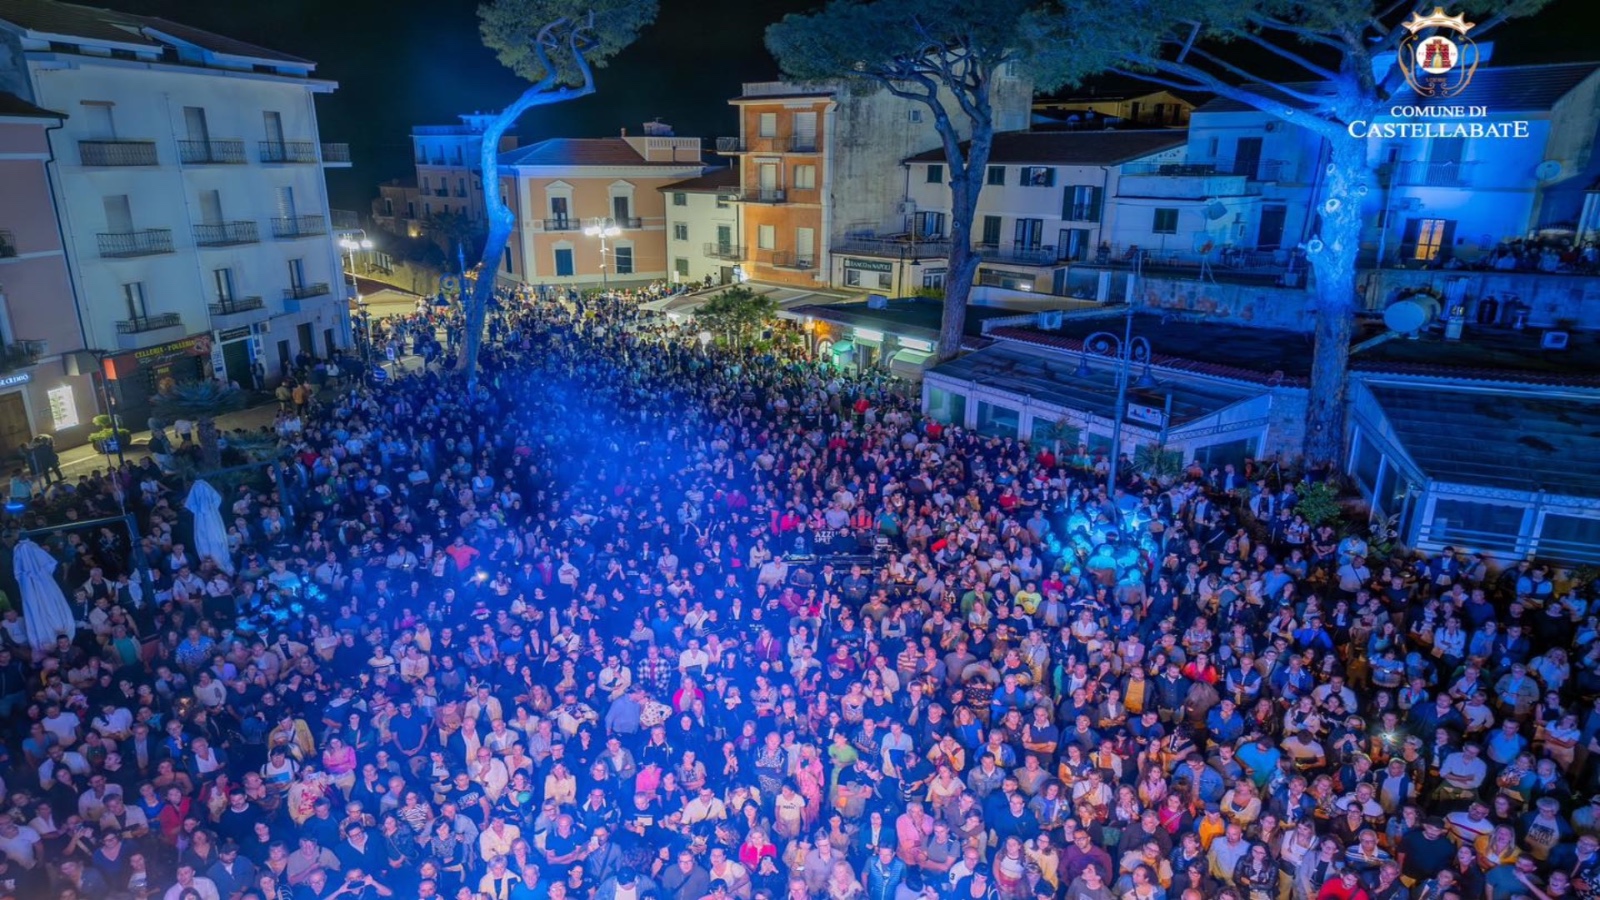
(826, 188)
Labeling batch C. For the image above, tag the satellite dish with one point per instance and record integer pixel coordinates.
(1549, 170)
(1216, 210)
(1408, 316)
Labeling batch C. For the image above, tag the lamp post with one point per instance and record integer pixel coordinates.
(602, 229)
(1124, 351)
(350, 243)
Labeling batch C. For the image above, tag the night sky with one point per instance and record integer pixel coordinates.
(406, 62)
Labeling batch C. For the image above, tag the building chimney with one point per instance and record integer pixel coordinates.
(624, 131)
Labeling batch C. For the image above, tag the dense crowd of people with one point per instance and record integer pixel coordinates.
(639, 619)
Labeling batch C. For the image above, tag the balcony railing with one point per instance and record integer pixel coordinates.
(763, 195)
(141, 324)
(896, 246)
(441, 192)
(236, 305)
(783, 259)
(211, 153)
(145, 242)
(21, 354)
(562, 225)
(8, 244)
(288, 151)
(628, 222)
(226, 234)
(335, 153)
(732, 252)
(299, 227)
(793, 143)
(303, 291)
(117, 153)
(1428, 174)
(1251, 169)
(1017, 255)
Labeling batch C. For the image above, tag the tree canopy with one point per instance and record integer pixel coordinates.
(738, 311)
(555, 43)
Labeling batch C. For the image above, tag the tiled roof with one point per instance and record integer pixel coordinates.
(580, 152)
(716, 181)
(12, 105)
(47, 17)
(1504, 89)
(1073, 148)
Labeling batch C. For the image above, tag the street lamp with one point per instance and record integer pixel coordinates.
(1124, 351)
(350, 243)
(602, 229)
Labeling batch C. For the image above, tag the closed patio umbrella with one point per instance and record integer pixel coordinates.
(210, 535)
(45, 614)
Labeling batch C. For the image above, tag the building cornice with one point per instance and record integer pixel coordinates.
(46, 61)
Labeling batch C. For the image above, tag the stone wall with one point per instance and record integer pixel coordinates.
(1286, 424)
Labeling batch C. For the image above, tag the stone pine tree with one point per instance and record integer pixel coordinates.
(944, 54)
(1320, 65)
(556, 45)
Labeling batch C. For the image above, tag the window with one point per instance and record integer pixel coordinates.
(620, 207)
(461, 187)
(936, 174)
(623, 257)
(995, 176)
(767, 125)
(679, 198)
(681, 266)
(1073, 244)
(863, 278)
(563, 257)
(1037, 176)
(297, 273)
(1166, 221)
(914, 116)
(1426, 237)
(805, 178)
(1028, 234)
(991, 231)
(1482, 526)
(947, 406)
(766, 237)
(930, 226)
(997, 421)
(933, 278)
(133, 296)
(509, 270)
(680, 231)
(222, 279)
(1083, 203)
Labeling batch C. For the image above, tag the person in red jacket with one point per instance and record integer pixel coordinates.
(1347, 886)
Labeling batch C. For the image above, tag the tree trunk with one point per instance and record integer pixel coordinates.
(1333, 261)
(210, 444)
(965, 188)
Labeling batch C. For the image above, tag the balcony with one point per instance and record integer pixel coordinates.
(1185, 181)
(8, 245)
(783, 259)
(628, 222)
(211, 153)
(226, 234)
(561, 225)
(895, 246)
(763, 195)
(288, 152)
(729, 252)
(1427, 174)
(336, 155)
(117, 153)
(235, 311)
(147, 324)
(128, 244)
(299, 227)
(793, 143)
(1016, 255)
(21, 354)
(440, 192)
(306, 291)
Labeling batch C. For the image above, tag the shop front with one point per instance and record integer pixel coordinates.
(137, 377)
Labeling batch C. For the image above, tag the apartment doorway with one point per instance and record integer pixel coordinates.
(14, 428)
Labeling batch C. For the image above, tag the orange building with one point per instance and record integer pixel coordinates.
(558, 187)
(782, 159)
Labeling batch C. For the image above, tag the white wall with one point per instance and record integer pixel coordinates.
(148, 104)
(702, 216)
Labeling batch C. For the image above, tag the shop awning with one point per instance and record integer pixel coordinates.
(909, 363)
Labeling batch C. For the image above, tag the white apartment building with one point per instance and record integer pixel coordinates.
(703, 227)
(449, 176)
(1047, 202)
(188, 177)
